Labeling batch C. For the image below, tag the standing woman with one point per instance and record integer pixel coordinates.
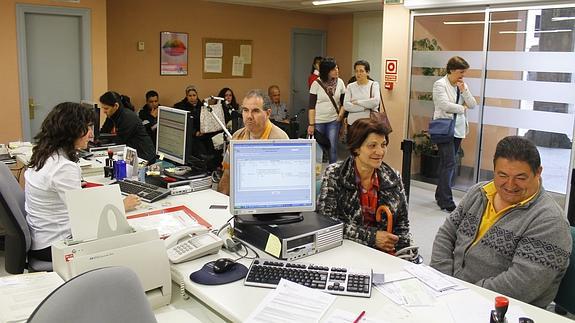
(325, 99)
(361, 96)
(231, 108)
(125, 123)
(314, 70)
(452, 98)
(52, 171)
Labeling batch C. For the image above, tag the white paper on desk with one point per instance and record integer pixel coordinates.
(291, 302)
(20, 294)
(471, 307)
(166, 223)
(409, 292)
(341, 316)
(430, 276)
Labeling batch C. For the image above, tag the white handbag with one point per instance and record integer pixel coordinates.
(207, 121)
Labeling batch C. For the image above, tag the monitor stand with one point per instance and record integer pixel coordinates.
(269, 219)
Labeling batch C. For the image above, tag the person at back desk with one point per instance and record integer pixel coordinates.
(126, 124)
(149, 114)
(256, 117)
(52, 171)
(507, 235)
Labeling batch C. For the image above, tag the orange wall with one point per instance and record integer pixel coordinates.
(10, 123)
(133, 72)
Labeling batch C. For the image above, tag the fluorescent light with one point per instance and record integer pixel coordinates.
(562, 18)
(325, 2)
(535, 32)
(474, 22)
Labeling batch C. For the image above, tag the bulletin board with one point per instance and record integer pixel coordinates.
(226, 58)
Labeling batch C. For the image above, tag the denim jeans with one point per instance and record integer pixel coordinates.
(447, 154)
(331, 130)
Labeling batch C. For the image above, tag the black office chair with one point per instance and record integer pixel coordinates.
(13, 219)
(565, 298)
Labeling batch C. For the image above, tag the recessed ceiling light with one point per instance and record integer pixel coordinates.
(535, 32)
(562, 18)
(474, 22)
(324, 2)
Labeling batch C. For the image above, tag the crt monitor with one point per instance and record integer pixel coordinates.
(172, 133)
(272, 178)
(94, 106)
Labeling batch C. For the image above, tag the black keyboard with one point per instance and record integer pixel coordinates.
(147, 192)
(333, 280)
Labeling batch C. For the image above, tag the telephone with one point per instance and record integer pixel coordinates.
(192, 243)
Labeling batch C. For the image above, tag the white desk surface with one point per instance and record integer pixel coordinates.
(235, 302)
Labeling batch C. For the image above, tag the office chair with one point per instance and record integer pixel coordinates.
(13, 219)
(565, 298)
(110, 294)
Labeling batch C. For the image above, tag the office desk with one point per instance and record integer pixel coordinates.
(234, 301)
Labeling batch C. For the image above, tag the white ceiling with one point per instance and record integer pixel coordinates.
(307, 6)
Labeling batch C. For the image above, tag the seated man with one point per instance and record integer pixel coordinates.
(149, 114)
(278, 109)
(258, 126)
(507, 235)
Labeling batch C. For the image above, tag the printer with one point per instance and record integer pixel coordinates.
(116, 244)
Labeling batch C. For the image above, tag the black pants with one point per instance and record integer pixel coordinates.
(41, 254)
(447, 155)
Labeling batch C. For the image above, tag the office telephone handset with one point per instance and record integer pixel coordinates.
(192, 243)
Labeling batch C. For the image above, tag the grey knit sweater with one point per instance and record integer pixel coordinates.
(523, 255)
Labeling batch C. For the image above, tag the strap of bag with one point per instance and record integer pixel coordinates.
(458, 95)
(327, 93)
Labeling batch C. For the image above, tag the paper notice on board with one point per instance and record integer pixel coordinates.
(212, 65)
(214, 49)
(237, 66)
(246, 53)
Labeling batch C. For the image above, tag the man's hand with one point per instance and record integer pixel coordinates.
(131, 202)
(385, 241)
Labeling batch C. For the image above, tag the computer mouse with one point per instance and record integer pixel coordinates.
(223, 264)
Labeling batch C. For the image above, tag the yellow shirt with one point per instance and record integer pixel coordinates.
(490, 216)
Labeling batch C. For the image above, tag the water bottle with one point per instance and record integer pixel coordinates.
(120, 167)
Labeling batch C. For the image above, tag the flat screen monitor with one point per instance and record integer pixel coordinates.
(94, 106)
(272, 177)
(171, 134)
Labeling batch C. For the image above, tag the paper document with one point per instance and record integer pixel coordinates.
(340, 316)
(474, 308)
(408, 292)
(21, 294)
(430, 277)
(167, 221)
(291, 302)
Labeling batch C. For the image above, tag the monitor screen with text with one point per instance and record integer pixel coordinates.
(272, 176)
(171, 134)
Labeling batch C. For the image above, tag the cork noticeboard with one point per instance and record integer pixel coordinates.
(226, 58)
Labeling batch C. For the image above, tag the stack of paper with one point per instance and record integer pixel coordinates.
(21, 294)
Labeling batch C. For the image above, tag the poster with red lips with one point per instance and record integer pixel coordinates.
(173, 53)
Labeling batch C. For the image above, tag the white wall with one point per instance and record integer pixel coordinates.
(367, 30)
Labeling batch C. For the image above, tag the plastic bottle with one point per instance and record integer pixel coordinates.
(120, 167)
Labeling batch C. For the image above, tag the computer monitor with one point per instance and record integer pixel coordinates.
(172, 134)
(272, 179)
(94, 106)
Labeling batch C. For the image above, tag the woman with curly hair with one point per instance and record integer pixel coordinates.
(52, 171)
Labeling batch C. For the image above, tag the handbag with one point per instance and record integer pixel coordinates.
(321, 139)
(442, 130)
(207, 121)
(381, 114)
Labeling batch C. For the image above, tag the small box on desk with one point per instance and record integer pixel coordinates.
(316, 233)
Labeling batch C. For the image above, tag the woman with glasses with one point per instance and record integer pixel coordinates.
(53, 170)
(353, 189)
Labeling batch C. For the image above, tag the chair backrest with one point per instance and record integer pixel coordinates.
(110, 294)
(12, 217)
(566, 293)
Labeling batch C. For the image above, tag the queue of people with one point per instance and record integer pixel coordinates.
(502, 234)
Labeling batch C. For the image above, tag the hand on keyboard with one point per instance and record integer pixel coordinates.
(131, 202)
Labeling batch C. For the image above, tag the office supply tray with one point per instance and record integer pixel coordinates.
(333, 280)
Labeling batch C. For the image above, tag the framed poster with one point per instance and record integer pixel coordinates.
(173, 53)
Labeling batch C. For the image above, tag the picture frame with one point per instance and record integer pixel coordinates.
(173, 53)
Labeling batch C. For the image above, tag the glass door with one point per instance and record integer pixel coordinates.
(437, 38)
(529, 88)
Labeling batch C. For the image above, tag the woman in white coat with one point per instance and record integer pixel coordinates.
(451, 98)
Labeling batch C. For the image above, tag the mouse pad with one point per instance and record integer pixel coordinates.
(207, 276)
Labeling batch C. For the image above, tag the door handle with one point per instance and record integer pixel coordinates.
(31, 108)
